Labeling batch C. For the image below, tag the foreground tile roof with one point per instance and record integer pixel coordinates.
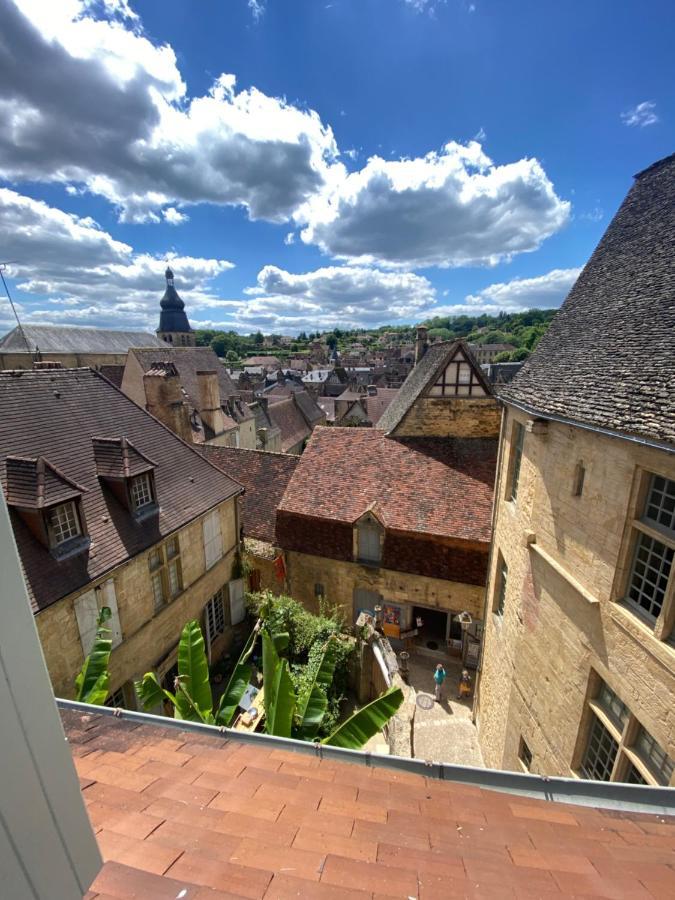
(74, 339)
(607, 358)
(429, 485)
(264, 476)
(61, 415)
(185, 815)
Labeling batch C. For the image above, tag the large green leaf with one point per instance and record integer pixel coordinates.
(91, 685)
(271, 661)
(150, 692)
(193, 673)
(359, 728)
(279, 702)
(312, 705)
(236, 686)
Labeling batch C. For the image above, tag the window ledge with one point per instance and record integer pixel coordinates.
(71, 548)
(662, 651)
(555, 565)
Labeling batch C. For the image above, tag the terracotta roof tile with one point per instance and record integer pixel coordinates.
(189, 847)
(427, 485)
(265, 477)
(56, 413)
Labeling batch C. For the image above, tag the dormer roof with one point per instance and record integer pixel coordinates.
(118, 458)
(35, 483)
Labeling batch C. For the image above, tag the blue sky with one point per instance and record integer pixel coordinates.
(306, 164)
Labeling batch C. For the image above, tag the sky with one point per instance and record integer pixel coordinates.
(311, 164)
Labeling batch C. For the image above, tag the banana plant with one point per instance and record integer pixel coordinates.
(93, 682)
(193, 700)
(287, 715)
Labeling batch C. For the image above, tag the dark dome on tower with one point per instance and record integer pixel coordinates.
(172, 318)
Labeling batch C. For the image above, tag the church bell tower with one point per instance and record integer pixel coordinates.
(174, 327)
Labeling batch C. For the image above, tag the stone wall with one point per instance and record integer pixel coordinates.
(540, 656)
(67, 360)
(147, 636)
(449, 417)
(340, 580)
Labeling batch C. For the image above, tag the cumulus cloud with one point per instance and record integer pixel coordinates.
(93, 102)
(257, 8)
(541, 292)
(453, 208)
(642, 114)
(85, 275)
(172, 216)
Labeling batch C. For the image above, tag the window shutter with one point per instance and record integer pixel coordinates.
(213, 542)
(109, 599)
(86, 613)
(237, 605)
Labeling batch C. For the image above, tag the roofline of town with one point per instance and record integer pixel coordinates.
(586, 426)
(581, 792)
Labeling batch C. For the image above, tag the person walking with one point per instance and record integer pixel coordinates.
(464, 685)
(439, 678)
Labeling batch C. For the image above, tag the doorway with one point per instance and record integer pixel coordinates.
(434, 631)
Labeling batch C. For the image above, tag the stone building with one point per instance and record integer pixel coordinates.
(70, 346)
(190, 391)
(485, 353)
(578, 670)
(398, 516)
(110, 509)
(174, 327)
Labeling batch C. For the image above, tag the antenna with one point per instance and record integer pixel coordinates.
(3, 266)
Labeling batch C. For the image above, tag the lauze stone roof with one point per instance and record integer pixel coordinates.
(75, 420)
(608, 359)
(185, 815)
(264, 476)
(428, 485)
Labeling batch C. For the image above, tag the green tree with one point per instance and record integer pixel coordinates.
(520, 354)
(232, 356)
(332, 341)
(93, 682)
(258, 339)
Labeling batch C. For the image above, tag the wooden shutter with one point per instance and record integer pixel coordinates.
(237, 604)
(213, 541)
(86, 613)
(369, 543)
(108, 598)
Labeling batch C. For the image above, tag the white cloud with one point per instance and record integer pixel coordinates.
(84, 274)
(453, 208)
(642, 114)
(93, 102)
(541, 292)
(257, 8)
(172, 216)
(425, 6)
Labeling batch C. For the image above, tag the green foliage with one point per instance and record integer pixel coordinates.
(504, 356)
(193, 669)
(520, 354)
(93, 682)
(367, 721)
(523, 329)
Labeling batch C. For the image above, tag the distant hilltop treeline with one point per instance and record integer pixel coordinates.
(521, 330)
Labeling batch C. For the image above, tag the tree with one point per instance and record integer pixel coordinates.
(258, 339)
(504, 356)
(332, 341)
(520, 354)
(232, 356)
(303, 336)
(93, 682)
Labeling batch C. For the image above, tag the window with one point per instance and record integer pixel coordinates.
(141, 491)
(458, 379)
(87, 608)
(525, 755)
(63, 523)
(213, 541)
(319, 590)
(215, 616)
(619, 747)
(517, 441)
(579, 477)
(165, 572)
(600, 754)
(116, 699)
(368, 537)
(500, 592)
(652, 562)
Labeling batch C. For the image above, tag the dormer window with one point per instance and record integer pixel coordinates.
(142, 494)
(49, 503)
(369, 538)
(128, 473)
(63, 524)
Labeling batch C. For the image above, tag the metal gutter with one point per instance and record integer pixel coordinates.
(598, 794)
(607, 432)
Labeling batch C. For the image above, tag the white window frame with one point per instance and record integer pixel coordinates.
(141, 488)
(66, 515)
(213, 538)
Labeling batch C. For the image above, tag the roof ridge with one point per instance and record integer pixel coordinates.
(659, 164)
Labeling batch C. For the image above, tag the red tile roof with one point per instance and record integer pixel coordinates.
(430, 485)
(264, 476)
(287, 416)
(180, 814)
(56, 413)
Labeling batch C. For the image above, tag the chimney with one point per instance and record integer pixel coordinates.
(421, 342)
(210, 407)
(164, 399)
